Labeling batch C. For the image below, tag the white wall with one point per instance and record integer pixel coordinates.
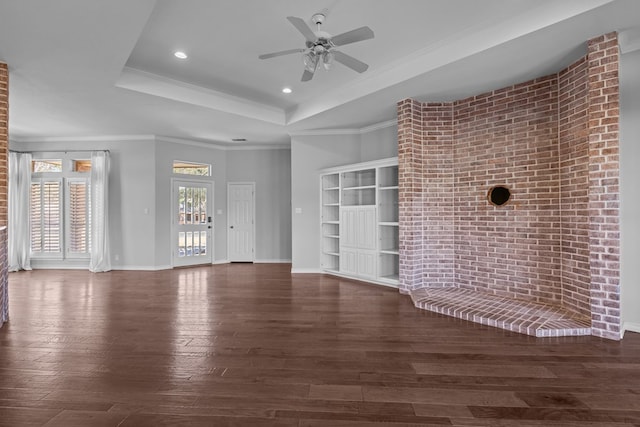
(630, 195)
(379, 144)
(309, 155)
(140, 181)
(271, 172)
(131, 185)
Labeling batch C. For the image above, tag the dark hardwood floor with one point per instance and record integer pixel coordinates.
(252, 345)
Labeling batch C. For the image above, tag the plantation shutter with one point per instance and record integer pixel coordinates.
(46, 217)
(79, 217)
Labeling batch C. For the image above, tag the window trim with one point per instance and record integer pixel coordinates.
(65, 177)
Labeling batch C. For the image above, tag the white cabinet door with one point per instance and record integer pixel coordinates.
(349, 227)
(349, 261)
(366, 235)
(358, 227)
(367, 264)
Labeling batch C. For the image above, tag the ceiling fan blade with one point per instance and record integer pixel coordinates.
(306, 76)
(303, 28)
(283, 52)
(350, 61)
(357, 35)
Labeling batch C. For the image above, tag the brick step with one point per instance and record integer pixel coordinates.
(525, 317)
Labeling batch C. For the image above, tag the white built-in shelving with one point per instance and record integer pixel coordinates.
(359, 221)
(330, 219)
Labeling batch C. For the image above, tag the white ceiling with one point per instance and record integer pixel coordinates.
(94, 68)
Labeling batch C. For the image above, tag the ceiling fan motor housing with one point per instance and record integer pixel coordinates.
(318, 18)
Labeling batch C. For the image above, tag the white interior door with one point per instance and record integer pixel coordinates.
(241, 233)
(192, 223)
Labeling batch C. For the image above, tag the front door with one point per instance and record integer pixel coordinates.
(192, 223)
(241, 219)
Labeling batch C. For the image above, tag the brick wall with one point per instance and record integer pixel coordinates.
(604, 189)
(574, 187)
(553, 142)
(508, 137)
(4, 145)
(4, 141)
(4, 269)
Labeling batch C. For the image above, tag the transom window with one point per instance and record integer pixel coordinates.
(48, 165)
(190, 168)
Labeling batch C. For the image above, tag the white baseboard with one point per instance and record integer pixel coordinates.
(141, 267)
(631, 327)
(272, 261)
(49, 265)
(59, 267)
(305, 271)
(220, 261)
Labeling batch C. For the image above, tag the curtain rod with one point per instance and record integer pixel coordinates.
(57, 151)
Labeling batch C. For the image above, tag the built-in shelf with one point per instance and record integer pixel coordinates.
(364, 187)
(360, 221)
(330, 221)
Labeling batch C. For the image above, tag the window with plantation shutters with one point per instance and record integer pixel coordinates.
(60, 209)
(79, 217)
(46, 217)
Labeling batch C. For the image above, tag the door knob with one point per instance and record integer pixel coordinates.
(231, 226)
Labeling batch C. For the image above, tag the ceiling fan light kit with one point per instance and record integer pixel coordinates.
(320, 46)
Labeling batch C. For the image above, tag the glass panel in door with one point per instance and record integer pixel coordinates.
(193, 225)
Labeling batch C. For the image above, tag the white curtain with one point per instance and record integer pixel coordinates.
(100, 256)
(19, 250)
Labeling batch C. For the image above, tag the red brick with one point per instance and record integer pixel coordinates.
(554, 142)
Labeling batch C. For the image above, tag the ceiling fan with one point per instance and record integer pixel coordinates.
(321, 46)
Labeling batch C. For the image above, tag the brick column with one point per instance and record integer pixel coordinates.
(604, 189)
(410, 193)
(4, 145)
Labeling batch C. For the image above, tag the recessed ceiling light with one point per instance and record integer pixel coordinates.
(286, 90)
(180, 54)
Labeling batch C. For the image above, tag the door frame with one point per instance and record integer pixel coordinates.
(174, 208)
(253, 218)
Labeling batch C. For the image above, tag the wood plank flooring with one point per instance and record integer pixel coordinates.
(253, 345)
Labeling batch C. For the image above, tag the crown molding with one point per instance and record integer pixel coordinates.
(164, 87)
(93, 138)
(378, 126)
(152, 138)
(326, 132)
(357, 131)
(238, 147)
